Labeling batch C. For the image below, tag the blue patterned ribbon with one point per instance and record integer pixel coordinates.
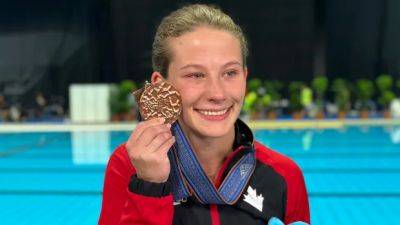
(189, 178)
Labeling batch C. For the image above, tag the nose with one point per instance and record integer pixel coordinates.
(216, 91)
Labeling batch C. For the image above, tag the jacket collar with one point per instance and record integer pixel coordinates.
(243, 135)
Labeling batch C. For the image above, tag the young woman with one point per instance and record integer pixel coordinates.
(202, 53)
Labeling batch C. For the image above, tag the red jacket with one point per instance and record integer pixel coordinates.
(277, 181)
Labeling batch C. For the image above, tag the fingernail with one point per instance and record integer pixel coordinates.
(168, 125)
(162, 120)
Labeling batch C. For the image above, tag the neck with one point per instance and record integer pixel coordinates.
(211, 152)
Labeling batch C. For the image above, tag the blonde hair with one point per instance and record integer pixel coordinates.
(186, 19)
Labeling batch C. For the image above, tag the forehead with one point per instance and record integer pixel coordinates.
(204, 44)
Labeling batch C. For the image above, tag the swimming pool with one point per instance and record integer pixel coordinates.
(352, 173)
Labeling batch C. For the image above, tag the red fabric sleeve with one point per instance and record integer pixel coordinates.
(147, 210)
(297, 207)
(120, 206)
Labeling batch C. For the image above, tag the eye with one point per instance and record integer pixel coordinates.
(196, 75)
(231, 73)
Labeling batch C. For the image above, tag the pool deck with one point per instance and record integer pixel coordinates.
(257, 124)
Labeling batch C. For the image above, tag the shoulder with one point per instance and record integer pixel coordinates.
(282, 164)
(297, 207)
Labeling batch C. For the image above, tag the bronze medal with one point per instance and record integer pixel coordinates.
(160, 100)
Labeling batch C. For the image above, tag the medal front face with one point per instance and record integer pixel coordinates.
(160, 100)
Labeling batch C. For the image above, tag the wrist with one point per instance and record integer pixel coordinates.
(148, 188)
(151, 180)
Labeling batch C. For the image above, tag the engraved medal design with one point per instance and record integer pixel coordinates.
(159, 100)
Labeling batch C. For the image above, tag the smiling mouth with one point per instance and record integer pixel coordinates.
(209, 112)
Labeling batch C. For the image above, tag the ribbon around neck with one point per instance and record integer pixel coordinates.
(188, 178)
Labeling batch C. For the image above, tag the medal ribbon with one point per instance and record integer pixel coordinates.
(189, 178)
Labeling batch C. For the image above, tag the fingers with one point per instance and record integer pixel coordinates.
(152, 134)
(159, 141)
(142, 126)
(165, 146)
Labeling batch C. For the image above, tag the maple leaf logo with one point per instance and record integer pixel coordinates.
(253, 199)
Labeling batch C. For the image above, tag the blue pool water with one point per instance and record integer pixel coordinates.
(352, 174)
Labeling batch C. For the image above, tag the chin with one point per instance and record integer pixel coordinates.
(214, 131)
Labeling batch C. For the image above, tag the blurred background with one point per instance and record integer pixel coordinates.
(46, 46)
(67, 69)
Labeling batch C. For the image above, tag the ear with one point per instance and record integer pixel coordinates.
(156, 77)
(245, 72)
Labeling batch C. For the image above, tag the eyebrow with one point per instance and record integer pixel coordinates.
(234, 62)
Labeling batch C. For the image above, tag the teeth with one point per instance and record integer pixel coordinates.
(213, 113)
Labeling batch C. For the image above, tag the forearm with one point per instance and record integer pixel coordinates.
(148, 203)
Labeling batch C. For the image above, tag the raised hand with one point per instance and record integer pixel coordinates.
(147, 148)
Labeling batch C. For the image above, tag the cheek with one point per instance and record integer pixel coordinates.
(238, 91)
(189, 95)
